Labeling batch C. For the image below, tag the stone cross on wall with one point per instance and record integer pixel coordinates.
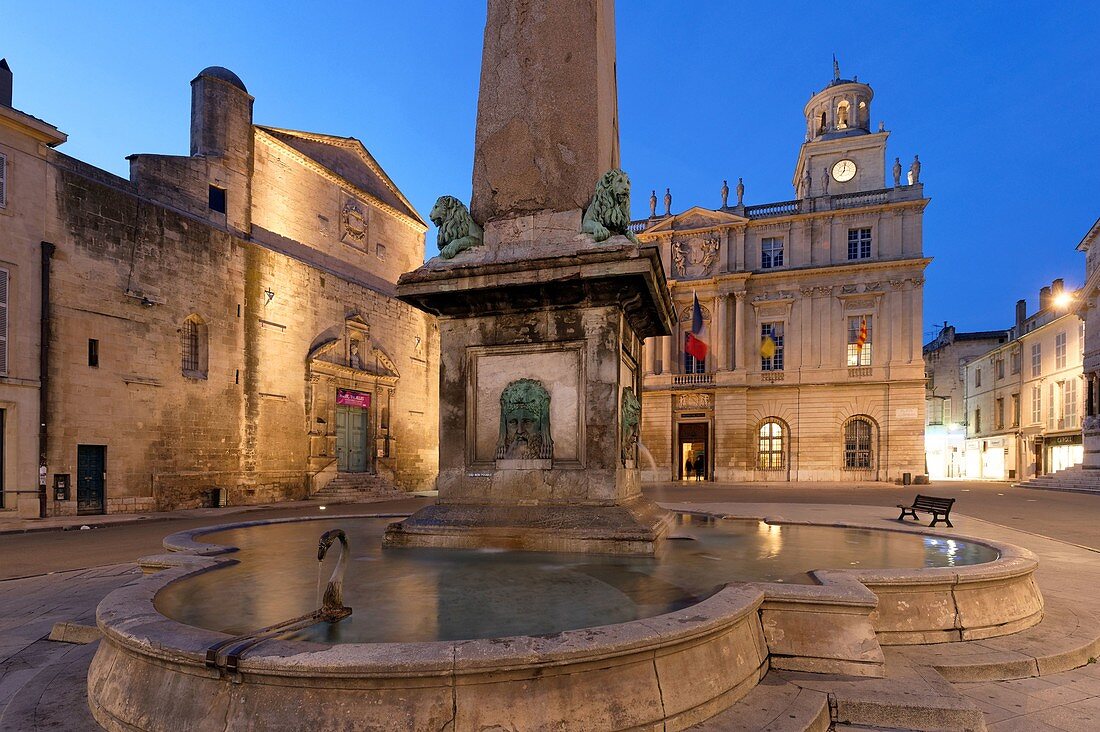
(547, 113)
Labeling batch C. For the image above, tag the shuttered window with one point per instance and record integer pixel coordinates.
(3, 180)
(3, 321)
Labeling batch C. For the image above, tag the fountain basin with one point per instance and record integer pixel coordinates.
(667, 671)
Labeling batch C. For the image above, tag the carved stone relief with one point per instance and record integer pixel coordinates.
(630, 417)
(525, 422)
(695, 256)
(354, 222)
(694, 400)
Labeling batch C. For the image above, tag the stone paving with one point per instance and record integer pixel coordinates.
(42, 682)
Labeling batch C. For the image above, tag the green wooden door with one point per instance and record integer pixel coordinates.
(351, 439)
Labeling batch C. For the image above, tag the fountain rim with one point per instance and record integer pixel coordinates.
(129, 615)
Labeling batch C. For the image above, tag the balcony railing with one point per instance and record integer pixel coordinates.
(861, 198)
(637, 227)
(692, 379)
(764, 210)
(858, 372)
(771, 375)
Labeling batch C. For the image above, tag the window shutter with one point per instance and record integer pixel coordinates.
(3, 182)
(3, 321)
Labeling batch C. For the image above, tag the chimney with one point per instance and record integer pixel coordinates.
(1056, 287)
(5, 83)
(1021, 316)
(1044, 298)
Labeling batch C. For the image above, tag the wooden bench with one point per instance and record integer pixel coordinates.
(940, 508)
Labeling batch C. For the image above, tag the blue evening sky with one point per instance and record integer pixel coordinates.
(1000, 99)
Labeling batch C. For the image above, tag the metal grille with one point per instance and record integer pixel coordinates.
(857, 444)
(190, 339)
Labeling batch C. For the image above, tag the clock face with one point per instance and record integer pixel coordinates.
(844, 170)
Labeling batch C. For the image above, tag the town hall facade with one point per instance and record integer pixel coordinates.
(812, 314)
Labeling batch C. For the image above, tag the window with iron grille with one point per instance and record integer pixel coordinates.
(771, 454)
(858, 356)
(858, 452)
(190, 338)
(3, 321)
(194, 347)
(859, 243)
(1060, 350)
(771, 253)
(774, 331)
(1036, 359)
(977, 421)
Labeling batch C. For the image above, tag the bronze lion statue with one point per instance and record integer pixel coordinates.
(457, 229)
(609, 212)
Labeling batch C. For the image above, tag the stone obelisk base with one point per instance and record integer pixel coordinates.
(636, 527)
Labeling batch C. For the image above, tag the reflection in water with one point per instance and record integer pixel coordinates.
(406, 595)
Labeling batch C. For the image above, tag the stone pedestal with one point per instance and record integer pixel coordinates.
(550, 305)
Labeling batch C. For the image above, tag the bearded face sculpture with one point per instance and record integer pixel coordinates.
(525, 422)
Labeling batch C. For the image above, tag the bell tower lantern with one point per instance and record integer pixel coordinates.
(840, 154)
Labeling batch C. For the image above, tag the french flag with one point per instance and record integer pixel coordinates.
(693, 346)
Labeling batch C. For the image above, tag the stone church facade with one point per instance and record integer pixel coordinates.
(832, 283)
(226, 320)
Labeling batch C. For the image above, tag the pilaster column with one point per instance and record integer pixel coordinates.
(740, 361)
(666, 353)
(721, 335)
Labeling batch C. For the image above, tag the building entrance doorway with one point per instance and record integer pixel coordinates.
(352, 426)
(91, 478)
(693, 440)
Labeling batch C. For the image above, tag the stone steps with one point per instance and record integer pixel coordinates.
(1075, 479)
(357, 488)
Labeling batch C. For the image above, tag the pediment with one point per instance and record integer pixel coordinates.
(695, 218)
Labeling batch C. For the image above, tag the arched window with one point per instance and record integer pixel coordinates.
(771, 452)
(822, 127)
(864, 120)
(842, 115)
(859, 435)
(194, 345)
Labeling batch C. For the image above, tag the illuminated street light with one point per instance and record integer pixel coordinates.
(1063, 300)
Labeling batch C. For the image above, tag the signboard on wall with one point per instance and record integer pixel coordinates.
(349, 398)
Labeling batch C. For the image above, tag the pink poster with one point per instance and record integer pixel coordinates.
(351, 398)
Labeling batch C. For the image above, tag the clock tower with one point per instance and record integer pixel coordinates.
(840, 154)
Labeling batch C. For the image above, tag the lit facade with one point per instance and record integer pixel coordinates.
(226, 319)
(804, 275)
(1025, 399)
(945, 360)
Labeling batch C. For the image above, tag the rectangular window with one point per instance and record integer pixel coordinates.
(3, 321)
(1060, 350)
(772, 332)
(1051, 411)
(771, 253)
(1069, 408)
(978, 377)
(1000, 368)
(1036, 404)
(999, 414)
(1036, 359)
(1015, 410)
(693, 365)
(948, 415)
(93, 353)
(859, 340)
(3, 181)
(977, 421)
(1016, 361)
(217, 199)
(380, 251)
(859, 243)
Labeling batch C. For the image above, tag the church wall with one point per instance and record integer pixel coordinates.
(170, 437)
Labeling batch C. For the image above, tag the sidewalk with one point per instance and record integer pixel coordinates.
(12, 524)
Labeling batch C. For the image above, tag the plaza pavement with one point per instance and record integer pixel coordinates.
(63, 575)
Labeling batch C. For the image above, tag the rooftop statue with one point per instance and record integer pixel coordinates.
(525, 422)
(609, 212)
(457, 229)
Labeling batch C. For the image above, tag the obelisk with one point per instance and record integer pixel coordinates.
(543, 300)
(547, 112)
